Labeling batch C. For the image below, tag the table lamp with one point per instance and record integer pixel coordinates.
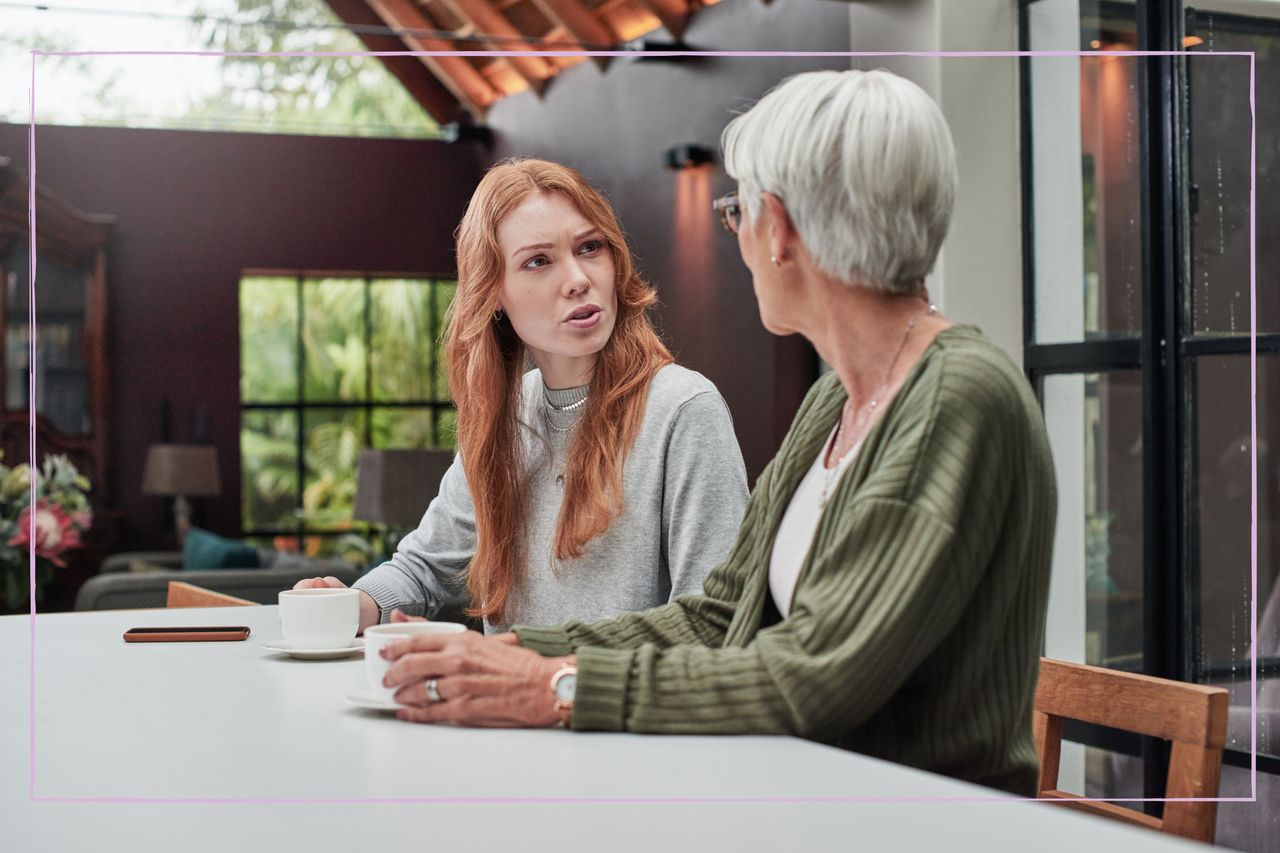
(181, 471)
(393, 487)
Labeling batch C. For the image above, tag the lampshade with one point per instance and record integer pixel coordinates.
(394, 486)
(189, 470)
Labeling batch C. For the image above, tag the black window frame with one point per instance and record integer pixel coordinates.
(437, 401)
(1170, 614)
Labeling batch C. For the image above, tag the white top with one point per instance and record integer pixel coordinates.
(795, 534)
(233, 722)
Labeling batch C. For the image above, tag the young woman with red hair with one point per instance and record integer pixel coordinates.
(605, 480)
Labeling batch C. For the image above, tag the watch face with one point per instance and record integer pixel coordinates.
(565, 687)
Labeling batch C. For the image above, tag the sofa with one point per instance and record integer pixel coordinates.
(140, 579)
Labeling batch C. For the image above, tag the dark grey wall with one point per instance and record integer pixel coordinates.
(615, 125)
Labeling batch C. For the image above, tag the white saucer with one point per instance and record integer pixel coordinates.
(281, 647)
(371, 701)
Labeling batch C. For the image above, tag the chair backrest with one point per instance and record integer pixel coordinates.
(182, 594)
(1192, 716)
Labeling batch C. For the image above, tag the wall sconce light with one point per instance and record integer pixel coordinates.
(654, 50)
(466, 131)
(689, 156)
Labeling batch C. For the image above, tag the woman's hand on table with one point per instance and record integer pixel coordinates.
(481, 681)
(329, 582)
(370, 612)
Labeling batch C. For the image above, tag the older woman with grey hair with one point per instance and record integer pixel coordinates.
(887, 590)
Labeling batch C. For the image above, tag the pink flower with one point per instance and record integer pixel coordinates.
(54, 533)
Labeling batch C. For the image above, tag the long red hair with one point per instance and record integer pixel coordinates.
(486, 361)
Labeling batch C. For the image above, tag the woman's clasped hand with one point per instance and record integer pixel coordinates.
(481, 681)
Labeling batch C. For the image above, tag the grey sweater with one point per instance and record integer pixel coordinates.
(684, 491)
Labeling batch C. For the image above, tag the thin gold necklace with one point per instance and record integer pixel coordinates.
(866, 410)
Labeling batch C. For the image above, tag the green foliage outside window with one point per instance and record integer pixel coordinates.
(348, 95)
(329, 366)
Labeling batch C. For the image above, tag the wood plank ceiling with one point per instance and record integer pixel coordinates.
(446, 86)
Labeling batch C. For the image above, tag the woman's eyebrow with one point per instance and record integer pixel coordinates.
(579, 236)
(533, 246)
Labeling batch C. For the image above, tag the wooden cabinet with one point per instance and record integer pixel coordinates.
(71, 376)
(71, 371)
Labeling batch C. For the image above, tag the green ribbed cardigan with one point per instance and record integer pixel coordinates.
(916, 627)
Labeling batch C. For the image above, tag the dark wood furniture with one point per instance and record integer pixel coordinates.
(71, 320)
(1192, 716)
(71, 372)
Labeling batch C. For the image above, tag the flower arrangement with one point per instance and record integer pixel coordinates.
(62, 513)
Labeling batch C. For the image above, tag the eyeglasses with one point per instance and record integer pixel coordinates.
(730, 211)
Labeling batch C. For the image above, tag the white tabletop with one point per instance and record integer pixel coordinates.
(117, 722)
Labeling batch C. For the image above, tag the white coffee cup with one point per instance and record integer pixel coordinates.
(319, 618)
(375, 638)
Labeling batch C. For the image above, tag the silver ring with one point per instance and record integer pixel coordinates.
(432, 693)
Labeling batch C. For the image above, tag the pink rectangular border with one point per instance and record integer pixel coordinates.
(1253, 393)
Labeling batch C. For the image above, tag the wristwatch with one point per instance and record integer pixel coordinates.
(564, 683)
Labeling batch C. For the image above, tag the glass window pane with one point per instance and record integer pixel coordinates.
(298, 94)
(331, 546)
(62, 373)
(1248, 826)
(333, 438)
(444, 291)
(1095, 431)
(334, 352)
(403, 427)
(1112, 774)
(268, 340)
(1087, 237)
(1221, 532)
(1220, 121)
(402, 340)
(269, 465)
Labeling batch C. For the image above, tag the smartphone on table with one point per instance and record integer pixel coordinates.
(187, 634)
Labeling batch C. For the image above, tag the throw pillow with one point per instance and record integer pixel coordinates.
(205, 550)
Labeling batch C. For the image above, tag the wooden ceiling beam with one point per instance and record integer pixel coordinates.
(467, 84)
(487, 20)
(579, 23)
(417, 78)
(674, 15)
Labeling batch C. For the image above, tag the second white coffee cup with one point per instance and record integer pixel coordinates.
(375, 638)
(324, 618)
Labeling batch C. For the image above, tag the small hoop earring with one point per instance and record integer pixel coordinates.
(498, 315)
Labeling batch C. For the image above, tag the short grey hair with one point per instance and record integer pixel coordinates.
(865, 166)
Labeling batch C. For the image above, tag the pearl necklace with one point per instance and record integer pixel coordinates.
(866, 411)
(568, 408)
(552, 407)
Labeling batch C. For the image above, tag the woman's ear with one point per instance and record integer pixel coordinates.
(782, 231)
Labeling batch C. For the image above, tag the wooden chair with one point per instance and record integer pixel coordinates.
(1192, 716)
(182, 594)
